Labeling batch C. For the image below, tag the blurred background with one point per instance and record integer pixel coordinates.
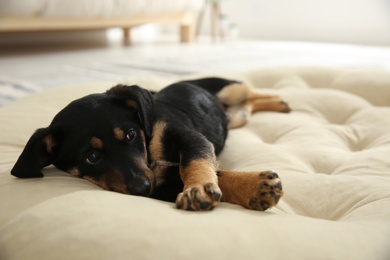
(343, 21)
(335, 21)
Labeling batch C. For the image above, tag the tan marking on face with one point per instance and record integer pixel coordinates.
(148, 173)
(109, 181)
(143, 134)
(74, 171)
(144, 143)
(96, 143)
(115, 181)
(99, 183)
(131, 103)
(119, 134)
(50, 143)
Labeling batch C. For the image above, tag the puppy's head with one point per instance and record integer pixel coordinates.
(101, 138)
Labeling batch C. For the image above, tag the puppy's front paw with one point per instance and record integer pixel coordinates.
(199, 197)
(268, 193)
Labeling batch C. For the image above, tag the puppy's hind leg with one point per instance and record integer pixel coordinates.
(242, 101)
(267, 104)
(234, 94)
(239, 115)
(237, 93)
(233, 97)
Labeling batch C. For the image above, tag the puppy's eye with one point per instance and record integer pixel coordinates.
(93, 158)
(130, 136)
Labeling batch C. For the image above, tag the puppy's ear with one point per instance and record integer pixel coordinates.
(139, 99)
(36, 155)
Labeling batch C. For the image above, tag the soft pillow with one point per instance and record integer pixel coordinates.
(331, 152)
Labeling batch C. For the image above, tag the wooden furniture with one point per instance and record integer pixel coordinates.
(22, 24)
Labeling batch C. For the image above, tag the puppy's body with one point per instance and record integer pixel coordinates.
(181, 132)
(162, 145)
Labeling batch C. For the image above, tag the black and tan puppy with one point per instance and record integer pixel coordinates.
(161, 145)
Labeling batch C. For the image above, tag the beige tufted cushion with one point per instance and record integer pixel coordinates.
(332, 153)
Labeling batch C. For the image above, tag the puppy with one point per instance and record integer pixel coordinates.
(161, 145)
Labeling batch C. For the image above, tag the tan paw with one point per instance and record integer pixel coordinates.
(268, 193)
(199, 197)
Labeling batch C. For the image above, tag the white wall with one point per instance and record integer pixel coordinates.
(346, 21)
(343, 21)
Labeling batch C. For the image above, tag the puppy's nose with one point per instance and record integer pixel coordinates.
(140, 186)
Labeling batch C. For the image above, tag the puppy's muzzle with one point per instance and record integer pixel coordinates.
(140, 186)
